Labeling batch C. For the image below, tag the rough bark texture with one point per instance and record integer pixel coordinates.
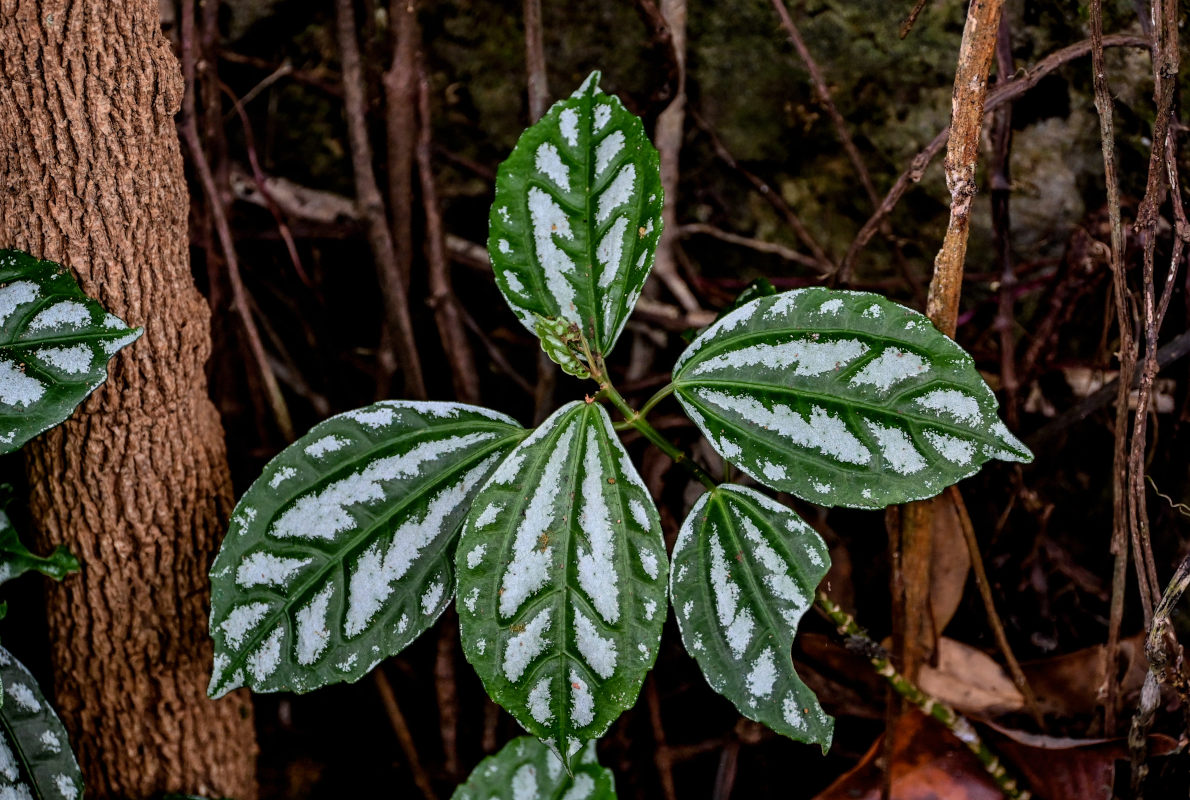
(136, 484)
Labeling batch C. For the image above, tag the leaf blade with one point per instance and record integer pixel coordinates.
(525, 769)
(863, 398)
(745, 570)
(55, 343)
(37, 747)
(342, 552)
(562, 580)
(577, 216)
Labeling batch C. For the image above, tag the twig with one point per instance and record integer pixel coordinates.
(962, 152)
(914, 13)
(661, 753)
(1002, 94)
(824, 97)
(396, 303)
(447, 691)
(1166, 666)
(400, 120)
(442, 296)
(539, 98)
(404, 737)
(207, 179)
(989, 605)
(759, 245)
(1001, 180)
(667, 137)
(768, 193)
(957, 724)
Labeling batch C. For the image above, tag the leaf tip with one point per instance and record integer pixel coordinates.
(590, 85)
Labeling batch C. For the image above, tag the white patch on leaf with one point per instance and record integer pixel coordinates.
(241, 621)
(324, 514)
(763, 675)
(955, 404)
(823, 431)
(582, 703)
(607, 150)
(618, 192)
(432, 597)
(525, 646)
(539, 702)
(597, 567)
(897, 448)
(736, 623)
(811, 357)
(529, 569)
(281, 475)
(611, 251)
(16, 294)
(597, 651)
(327, 444)
(952, 448)
(17, 388)
(68, 313)
(550, 164)
(889, 368)
(549, 220)
(568, 126)
(264, 661)
(71, 360)
(312, 631)
(266, 569)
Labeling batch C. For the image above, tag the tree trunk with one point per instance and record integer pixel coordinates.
(136, 483)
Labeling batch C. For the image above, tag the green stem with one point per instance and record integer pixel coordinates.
(665, 392)
(955, 722)
(635, 419)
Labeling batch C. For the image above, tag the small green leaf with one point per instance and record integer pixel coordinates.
(35, 756)
(16, 559)
(577, 216)
(342, 552)
(560, 340)
(745, 569)
(55, 343)
(525, 769)
(562, 575)
(841, 398)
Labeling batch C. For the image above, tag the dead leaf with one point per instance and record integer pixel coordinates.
(970, 680)
(950, 564)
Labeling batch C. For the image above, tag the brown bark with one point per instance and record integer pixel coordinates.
(136, 483)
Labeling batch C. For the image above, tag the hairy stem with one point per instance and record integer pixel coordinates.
(955, 722)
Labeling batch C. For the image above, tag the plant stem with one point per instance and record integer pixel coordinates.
(955, 722)
(635, 419)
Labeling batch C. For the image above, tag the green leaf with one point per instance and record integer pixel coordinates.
(561, 342)
(841, 398)
(745, 569)
(55, 343)
(342, 552)
(525, 769)
(35, 756)
(562, 575)
(16, 559)
(577, 216)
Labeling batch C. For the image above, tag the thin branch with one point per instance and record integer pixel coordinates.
(1002, 94)
(989, 606)
(400, 119)
(404, 737)
(662, 758)
(442, 296)
(396, 302)
(956, 723)
(239, 295)
(768, 193)
(962, 153)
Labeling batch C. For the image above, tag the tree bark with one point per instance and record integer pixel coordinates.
(136, 483)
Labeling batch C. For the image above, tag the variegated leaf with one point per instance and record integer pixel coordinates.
(560, 341)
(35, 756)
(525, 769)
(55, 343)
(562, 573)
(577, 216)
(842, 398)
(342, 552)
(745, 569)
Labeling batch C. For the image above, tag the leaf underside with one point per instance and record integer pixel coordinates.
(577, 216)
(342, 552)
(55, 343)
(745, 570)
(562, 580)
(525, 769)
(841, 398)
(35, 756)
